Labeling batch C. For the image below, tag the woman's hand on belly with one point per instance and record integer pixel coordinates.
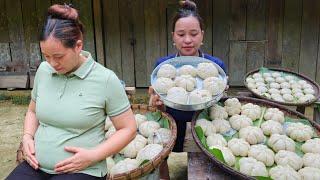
(81, 159)
(29, 152)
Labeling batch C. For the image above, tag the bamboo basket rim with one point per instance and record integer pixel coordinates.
(147, 167)
(242, 99)
(315, 86)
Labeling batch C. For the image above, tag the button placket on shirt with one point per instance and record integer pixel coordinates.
(63, 88)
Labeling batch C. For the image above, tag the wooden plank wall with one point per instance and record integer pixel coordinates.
(128, 36)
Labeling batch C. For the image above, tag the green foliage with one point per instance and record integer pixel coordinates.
(217, 154)
(204, 115)
(118, 158)
(144, 162)
(201, 136)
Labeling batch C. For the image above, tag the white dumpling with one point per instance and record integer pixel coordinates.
(310, 173)
(260, 84)
(252, 167)
(258, 80)
(124, 166)
(232, 106)
(284, 172)
(298, 95)
(206, 126)
(262, 89)
(262, 153)
(305, 98)
(274, 114)
(251, 110)
(294, 91)
(296, 86)
(311, 146)
(277, 97)
(110, 132)
(311, 160)
(267, 95)
(307, 86)
(285, 85)
(281, 142)
(266, 75)
(302, 82)
(250, 80)
(161, 136)
(206, 70)
(288, 97)
(288, 158)
(239, 147)
(273, 91)
(227, 155)
(252, 85)
(218, 112)
(299, 131)
(253, 135)
(167, 70)
(309, 97)
(257, 75)
(187, 70)
(216, 140)
(131, 150)
(257, 91)
(309, 91)
(270, 79)
(177, 95)
(275, 85)
(222, 126)
(148, 127)
(198, 96)
(110, 163)
(271, 127)
(140, 118)
(280, 80)
(108, 123)
(162, 85)
(275, 74)
(214, 85)
(187, 82)
(240, 121)
(289, 78)
(149, 152)
(285, 91)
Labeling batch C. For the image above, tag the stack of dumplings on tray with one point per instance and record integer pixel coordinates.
(281, 87)
(180, 84)
(148, 143)
(261, 141)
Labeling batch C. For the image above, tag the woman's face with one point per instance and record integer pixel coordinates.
(62, 59)
(187, 36)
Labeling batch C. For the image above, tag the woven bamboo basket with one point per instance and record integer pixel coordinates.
(303, 77)
(260, 102)
(147, 167)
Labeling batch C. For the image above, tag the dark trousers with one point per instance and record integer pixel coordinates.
(25, 172)
(181, 133)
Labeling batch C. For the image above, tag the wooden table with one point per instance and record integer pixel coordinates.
(201, 168)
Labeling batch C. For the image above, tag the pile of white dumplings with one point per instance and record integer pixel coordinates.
(148, 143)
(179, 84)
(281, 87)
(271, 143)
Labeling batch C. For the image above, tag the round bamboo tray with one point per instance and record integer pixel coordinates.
(303, 77)
(147, 167)
(260, 102)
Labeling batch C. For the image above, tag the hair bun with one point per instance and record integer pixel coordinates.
(188, 5)
(63, 12)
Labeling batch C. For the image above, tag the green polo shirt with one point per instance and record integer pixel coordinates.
(71, 110)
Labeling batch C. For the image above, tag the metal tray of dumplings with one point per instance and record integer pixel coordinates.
(178, 62)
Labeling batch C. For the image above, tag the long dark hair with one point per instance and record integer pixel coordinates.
(187, 8)
(63, 23)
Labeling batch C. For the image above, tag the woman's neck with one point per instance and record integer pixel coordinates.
(198, 53)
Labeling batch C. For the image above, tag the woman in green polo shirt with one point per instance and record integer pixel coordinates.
(72, 95)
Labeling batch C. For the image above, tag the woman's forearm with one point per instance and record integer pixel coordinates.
(115, 143)
(30, 123)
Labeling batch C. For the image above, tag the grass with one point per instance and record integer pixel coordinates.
(16, 97)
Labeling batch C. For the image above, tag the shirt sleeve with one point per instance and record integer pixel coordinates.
(34, 92)
(116, 99)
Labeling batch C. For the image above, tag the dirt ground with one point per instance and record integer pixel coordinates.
(11, 128)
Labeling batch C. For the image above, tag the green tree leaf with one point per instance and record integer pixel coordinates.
(153, 116)
(144, 162)
(164, 123)
(217, 154)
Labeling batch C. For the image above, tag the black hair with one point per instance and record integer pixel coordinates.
(63, 23)
(187, 8)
